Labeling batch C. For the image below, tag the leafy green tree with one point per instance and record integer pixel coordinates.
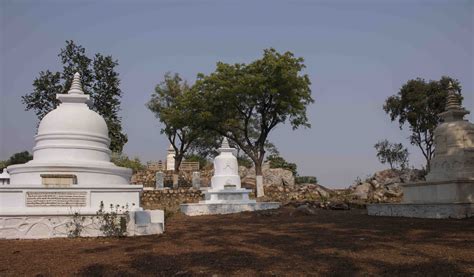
(19, 158)
(124, 161)
(417, 106)
(245, 102)
(392, 153)
(99, 79)
(167, 103)
(202, 160)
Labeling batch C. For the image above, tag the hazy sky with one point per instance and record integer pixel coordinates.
(357, 54)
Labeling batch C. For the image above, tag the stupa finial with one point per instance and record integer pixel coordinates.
(225, 143)
(453, 101)
(76, 87)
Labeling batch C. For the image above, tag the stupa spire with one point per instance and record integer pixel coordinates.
(453, 110)
(225, 143)
(76, 87)
(453, 102)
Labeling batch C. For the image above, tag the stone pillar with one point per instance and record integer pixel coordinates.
(175, 180)
(159, 180)
(196, 179)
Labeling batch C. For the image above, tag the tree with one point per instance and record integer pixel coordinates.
(18, 158)
(203, 162)
(170, 107)
(392, 153)
(417, 105)
(124, 161)
(99, 79)
(245, 102)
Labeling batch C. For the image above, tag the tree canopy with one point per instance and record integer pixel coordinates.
(245, 102)
(417, 106)
(392, 153)
(99, 79)
(170, 106)
(17, 158)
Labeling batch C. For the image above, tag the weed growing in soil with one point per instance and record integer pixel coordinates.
(75, 226)
(113, 223)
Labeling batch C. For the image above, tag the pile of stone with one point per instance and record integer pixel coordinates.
(271, 176)
(384, 186)
(294, 192)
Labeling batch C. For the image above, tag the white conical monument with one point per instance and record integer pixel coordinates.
(448, 191)
(70, 172)
(226, 194)
(170, 161)
(225, 184)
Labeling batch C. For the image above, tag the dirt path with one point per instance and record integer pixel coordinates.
(329, 243)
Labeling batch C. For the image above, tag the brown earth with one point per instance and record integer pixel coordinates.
(265, 243)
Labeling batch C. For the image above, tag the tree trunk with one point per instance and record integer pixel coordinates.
(259, 179)
(177, 164)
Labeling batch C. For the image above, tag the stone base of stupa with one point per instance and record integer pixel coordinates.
(439, 211)
(196, 209)
(227, 195)
(40, 212)
(226, 201)
(443, 199)
(53, 223)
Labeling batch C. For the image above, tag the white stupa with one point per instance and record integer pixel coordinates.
(225, 184)
(70, 172)
(226, 194)
(170, 161)
(73, 140)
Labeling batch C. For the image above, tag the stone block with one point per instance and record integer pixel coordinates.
(437, 211)
(196, 209)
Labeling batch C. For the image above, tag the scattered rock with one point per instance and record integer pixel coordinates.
(338, 206)
(362, 191)
(304, 210)
(384, 186)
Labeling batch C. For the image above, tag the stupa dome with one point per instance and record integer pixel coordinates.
(73, 119)
(73, 140)
(72, 130)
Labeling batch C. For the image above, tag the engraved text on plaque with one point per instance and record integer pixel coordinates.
(56, 198)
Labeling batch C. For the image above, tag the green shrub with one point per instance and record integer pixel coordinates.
(306, 180)
(277, 161)
(113, 223)
(75, 226)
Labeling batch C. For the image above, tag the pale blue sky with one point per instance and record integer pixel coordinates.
(357, 54)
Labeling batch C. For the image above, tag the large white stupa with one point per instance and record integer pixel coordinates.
(448, 191)
(226, 194)
(70, 172)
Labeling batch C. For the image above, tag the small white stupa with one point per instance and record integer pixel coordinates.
(4, 177)
(226, 194)
(70, 172)
(170, 158)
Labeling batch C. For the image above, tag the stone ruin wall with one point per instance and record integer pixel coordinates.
(385, 183)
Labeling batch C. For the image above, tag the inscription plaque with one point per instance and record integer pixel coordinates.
(56, 198)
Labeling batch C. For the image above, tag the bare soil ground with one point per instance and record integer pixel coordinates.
(343, 243)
